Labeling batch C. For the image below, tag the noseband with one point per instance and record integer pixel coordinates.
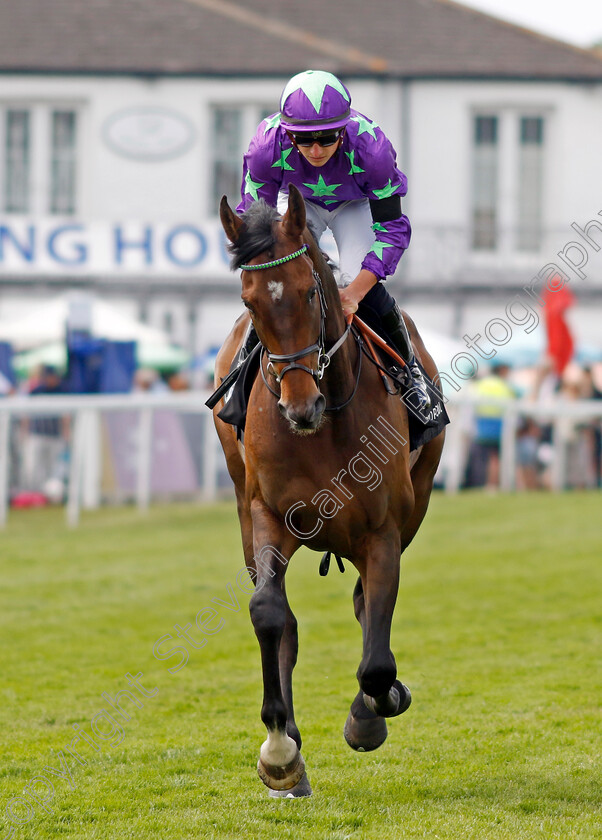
(319, 347)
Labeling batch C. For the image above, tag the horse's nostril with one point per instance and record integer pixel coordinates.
(315, 411)
(320, 405)
(307, 417)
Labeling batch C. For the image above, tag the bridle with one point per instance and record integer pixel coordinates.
(319, 346)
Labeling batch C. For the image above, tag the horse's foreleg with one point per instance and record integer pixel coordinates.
(280, 764)
(289, 647)
(364, 730)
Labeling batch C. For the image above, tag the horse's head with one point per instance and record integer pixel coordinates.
(285, 301)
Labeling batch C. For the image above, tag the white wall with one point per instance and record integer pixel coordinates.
(436, 158)
(439, 168)
(437, 162)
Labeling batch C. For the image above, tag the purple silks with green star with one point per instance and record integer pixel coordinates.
(364, 167)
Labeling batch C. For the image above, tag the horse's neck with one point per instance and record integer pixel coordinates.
(339, 376)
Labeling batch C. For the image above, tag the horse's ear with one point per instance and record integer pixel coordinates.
(293, 222)
(231, 221)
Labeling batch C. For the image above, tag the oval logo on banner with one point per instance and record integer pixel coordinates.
(148, 134)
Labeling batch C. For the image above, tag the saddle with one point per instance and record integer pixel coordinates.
(237, 385)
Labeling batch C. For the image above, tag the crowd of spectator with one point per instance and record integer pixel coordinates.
(40, 444)
(538, 439)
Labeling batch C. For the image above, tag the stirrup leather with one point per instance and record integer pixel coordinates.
(396, 327)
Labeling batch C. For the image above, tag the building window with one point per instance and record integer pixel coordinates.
(39, 162)
(227, 167)
(264, 113)
(17, 162)
(232, 128)
(530, 183)
(63, 163)
(485, 183)
(508, 149)
(168, 322)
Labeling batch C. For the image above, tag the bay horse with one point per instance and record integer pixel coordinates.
(300, 479)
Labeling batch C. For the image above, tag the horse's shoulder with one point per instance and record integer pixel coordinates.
(230, 346)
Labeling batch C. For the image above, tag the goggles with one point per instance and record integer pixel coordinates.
(308, 139)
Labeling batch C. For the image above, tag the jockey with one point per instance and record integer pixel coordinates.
(345, 168)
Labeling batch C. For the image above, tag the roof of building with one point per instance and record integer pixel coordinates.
(399, 38)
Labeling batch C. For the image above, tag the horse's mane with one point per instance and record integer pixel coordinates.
(256, 235)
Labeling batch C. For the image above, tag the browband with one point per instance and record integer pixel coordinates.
(274, 263)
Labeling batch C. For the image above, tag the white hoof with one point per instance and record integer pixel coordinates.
(282, 778)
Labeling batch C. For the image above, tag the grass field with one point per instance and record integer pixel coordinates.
(497, 633)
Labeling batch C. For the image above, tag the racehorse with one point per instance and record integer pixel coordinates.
(300, 479)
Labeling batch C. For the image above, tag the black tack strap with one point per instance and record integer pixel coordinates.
(325, 563)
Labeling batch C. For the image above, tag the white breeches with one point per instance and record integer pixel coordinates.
(351, 226)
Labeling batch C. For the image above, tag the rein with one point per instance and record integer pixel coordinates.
(291, 359)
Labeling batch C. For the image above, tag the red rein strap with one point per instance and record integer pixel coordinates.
(370, 336)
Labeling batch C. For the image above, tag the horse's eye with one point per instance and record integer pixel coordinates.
(312, 293)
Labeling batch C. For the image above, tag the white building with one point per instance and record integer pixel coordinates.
(121, 125)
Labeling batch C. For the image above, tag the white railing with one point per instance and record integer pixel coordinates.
(87, 447)
(85, 443)
(562, 415)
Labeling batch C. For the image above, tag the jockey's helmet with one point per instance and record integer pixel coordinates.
(314, 101)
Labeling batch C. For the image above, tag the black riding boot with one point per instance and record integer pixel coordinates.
(396, 328)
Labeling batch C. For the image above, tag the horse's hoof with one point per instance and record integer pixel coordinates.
(405, 697)
(364, 731)
(302, 788)
(282, 778)
(365, 734)
(396, 702)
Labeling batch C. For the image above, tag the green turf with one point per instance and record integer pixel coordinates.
(496, 632)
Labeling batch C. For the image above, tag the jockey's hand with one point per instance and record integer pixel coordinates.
(352, 294)
(349, 302)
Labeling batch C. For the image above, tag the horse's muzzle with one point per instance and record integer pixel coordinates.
(306, 419)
